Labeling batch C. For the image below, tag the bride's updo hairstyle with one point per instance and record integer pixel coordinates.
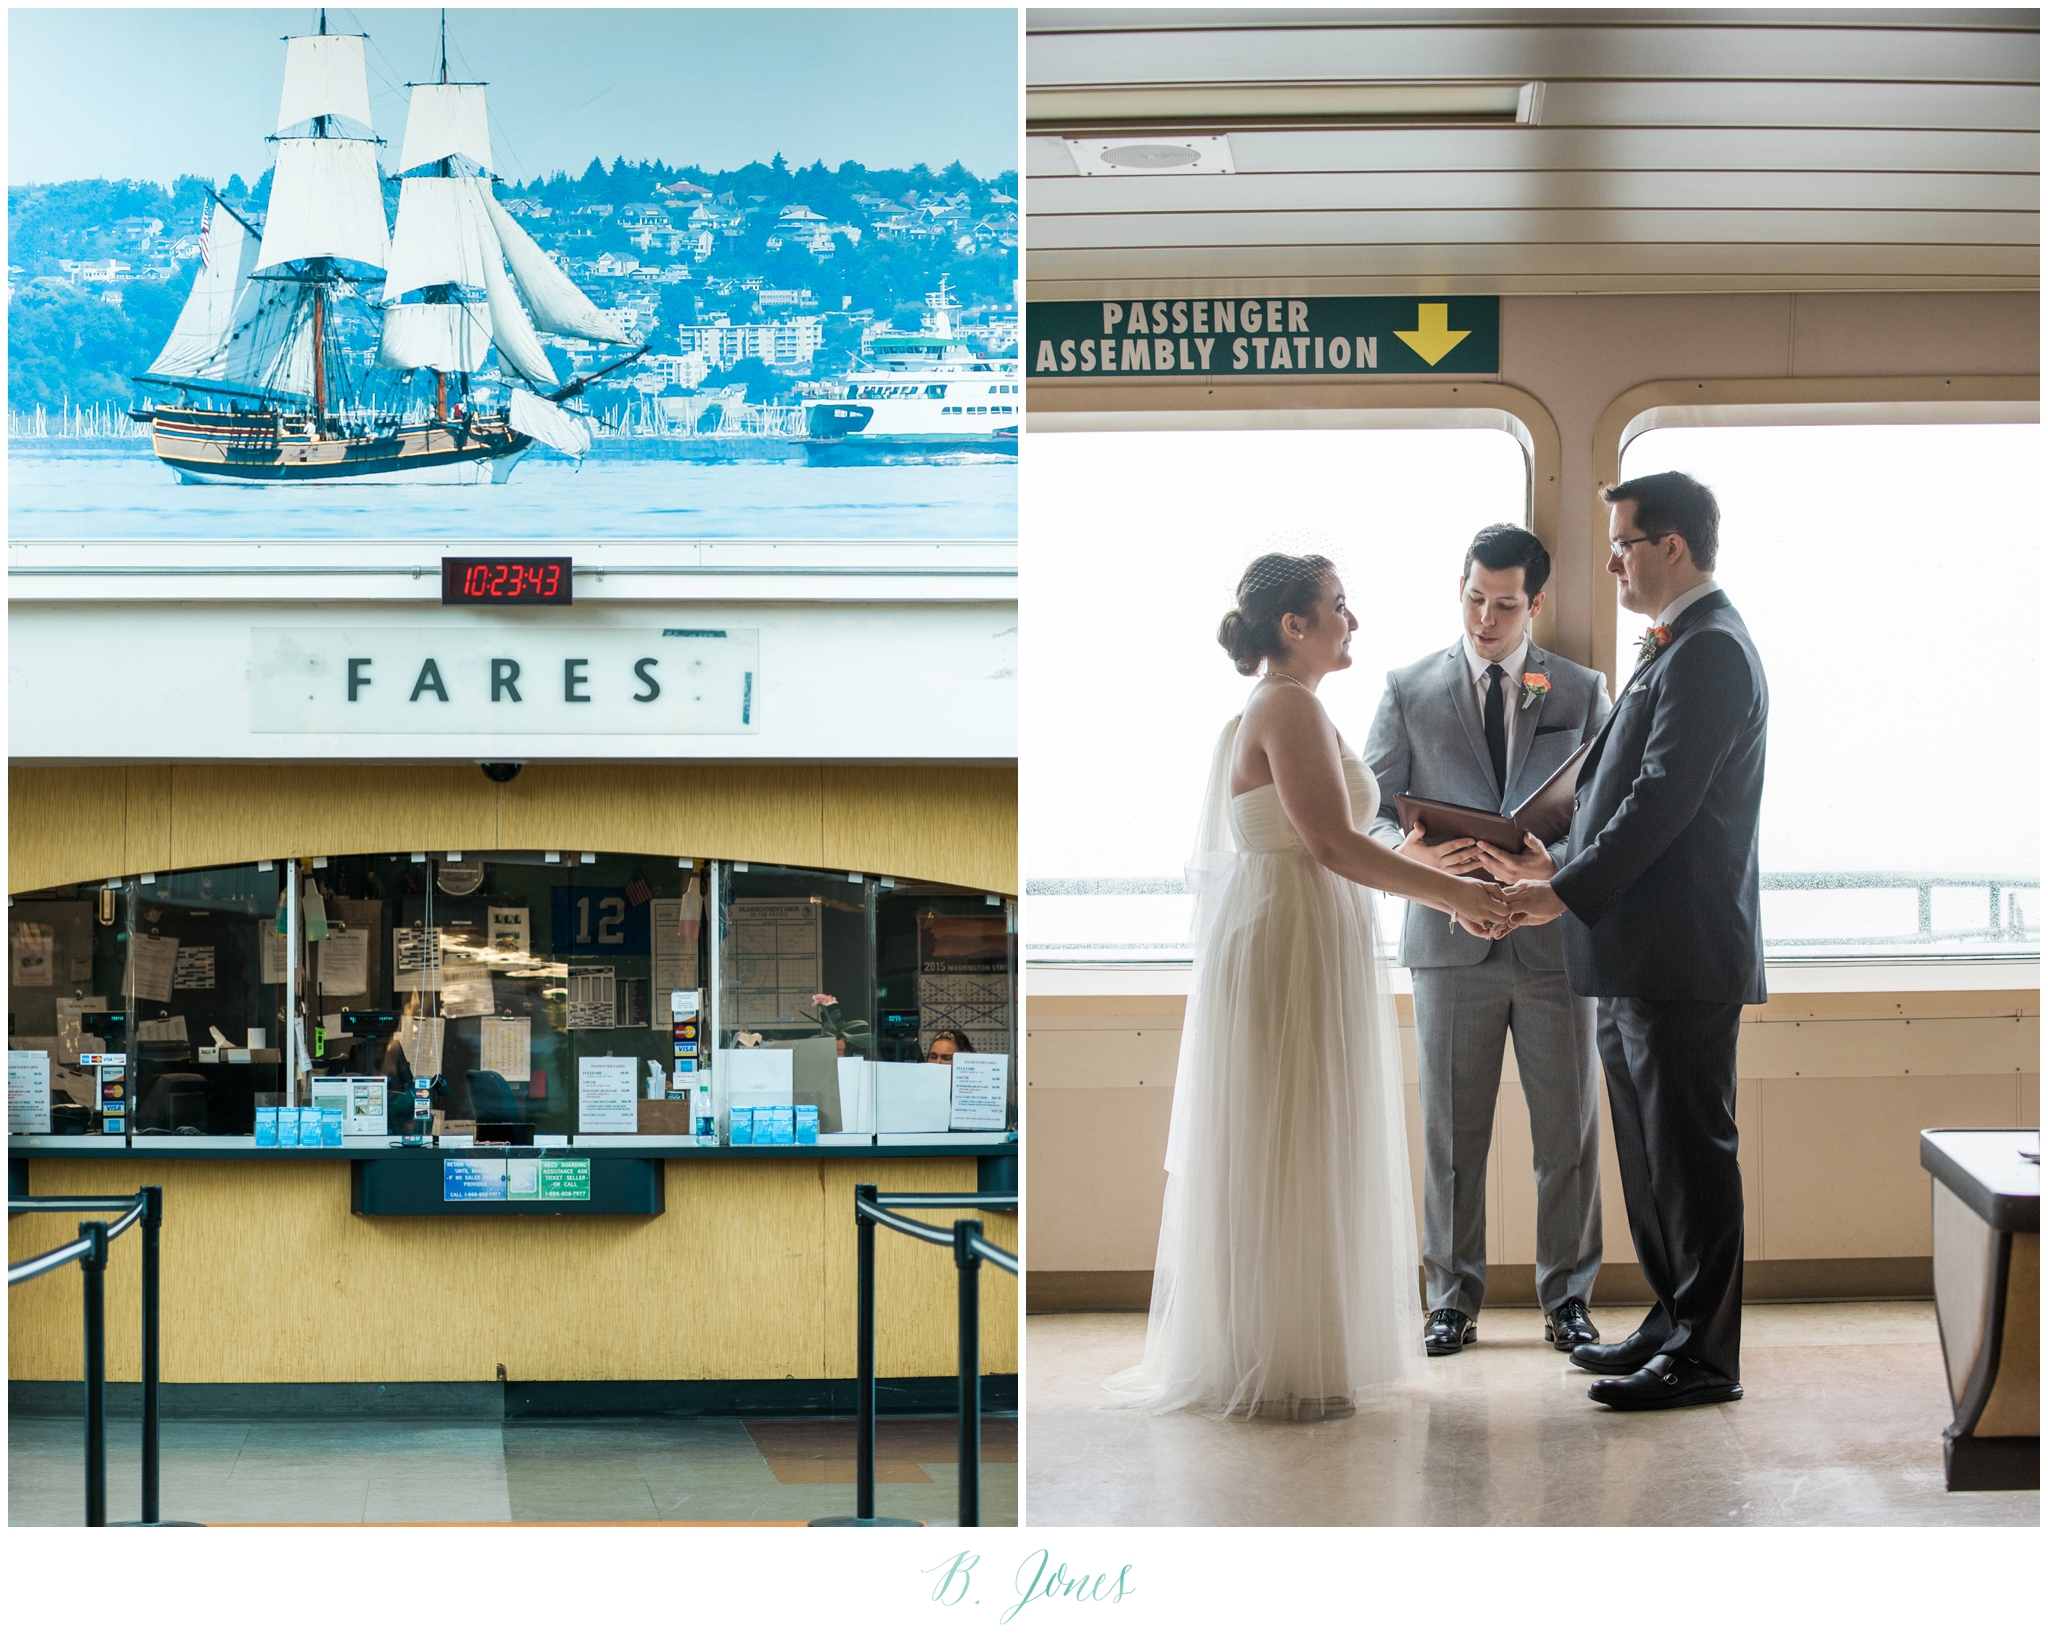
(1274, 586)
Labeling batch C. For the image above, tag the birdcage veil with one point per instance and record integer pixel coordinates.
(1288, 555)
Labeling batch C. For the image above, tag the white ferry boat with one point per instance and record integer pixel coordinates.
(930, 388)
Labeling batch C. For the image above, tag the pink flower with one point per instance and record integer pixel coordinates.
(823, 999)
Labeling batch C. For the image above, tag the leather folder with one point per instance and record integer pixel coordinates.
(1547, 814)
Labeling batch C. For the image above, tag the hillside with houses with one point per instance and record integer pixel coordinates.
(765, 281)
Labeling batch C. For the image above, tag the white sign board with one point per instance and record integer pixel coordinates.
(495, 678)
(28, 1092)
(604, 1096)
(981, 1092)
(361, 1099)
(912, 1097)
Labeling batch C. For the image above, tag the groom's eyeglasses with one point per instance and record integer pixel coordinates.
(1620, 547)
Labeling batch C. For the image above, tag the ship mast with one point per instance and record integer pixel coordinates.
(441, 294)
(326, 205)
(319, 268)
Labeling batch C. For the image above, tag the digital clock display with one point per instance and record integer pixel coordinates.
(495, 580)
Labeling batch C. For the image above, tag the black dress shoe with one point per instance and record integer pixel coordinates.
(1624, 1357)
(1448, 1331)
(1570, 1325)
(1665, 1382)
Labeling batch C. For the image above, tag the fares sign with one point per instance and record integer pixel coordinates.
(1267, 338)
(504, 679)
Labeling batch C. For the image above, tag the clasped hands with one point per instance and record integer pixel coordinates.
(1523, 897)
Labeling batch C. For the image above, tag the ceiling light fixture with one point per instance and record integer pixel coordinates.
(1214, 109)
(1156, 156)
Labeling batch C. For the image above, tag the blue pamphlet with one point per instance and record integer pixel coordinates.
(775, 1126)
(266, 1126)
(287, 1126)
(742, 1127)
(806, 1126)
(330, 1126)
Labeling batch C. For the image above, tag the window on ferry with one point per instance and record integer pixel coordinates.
(1889, 575)
(1139, 542)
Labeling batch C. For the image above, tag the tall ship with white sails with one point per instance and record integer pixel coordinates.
(930, 388)
(264, 392)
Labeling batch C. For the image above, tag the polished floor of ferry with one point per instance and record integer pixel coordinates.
(1840, 1426)
(415, 1470)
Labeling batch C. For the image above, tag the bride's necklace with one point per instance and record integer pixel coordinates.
(1282, 675)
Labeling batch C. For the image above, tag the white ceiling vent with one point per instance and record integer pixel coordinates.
(1152, 155)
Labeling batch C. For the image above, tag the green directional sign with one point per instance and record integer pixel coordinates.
(1264, 338)
(565, 1178)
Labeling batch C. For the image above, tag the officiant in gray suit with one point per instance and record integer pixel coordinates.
(1485, 723)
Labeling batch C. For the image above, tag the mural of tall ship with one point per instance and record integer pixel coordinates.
(927, 388)
(265, 393)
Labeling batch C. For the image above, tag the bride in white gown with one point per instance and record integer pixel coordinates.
(1285, 1282)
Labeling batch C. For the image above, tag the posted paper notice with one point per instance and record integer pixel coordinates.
(152, 961)
(345, 962)
(604, 1096)
(28, 1092)
(981, 1092)
(593, 997)
(508, 1047)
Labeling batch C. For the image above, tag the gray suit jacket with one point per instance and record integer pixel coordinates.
(1428, 740)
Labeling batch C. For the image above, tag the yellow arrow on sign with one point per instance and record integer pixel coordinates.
(1432, 337)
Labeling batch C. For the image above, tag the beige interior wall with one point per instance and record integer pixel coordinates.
(748, 1274)
(954, 825)
(1834, 1090)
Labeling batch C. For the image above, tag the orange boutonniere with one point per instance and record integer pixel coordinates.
(1534, 685)
(1655, 640)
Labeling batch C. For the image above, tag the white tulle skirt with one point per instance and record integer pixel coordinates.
(1285, 1283)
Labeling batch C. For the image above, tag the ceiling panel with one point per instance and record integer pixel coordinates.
(1722, 150)
(1095, 288)
(1510, 227)
(1532, 189)
(1450, 50)
(1525, 148)
(1335, 260)
(1782, 106)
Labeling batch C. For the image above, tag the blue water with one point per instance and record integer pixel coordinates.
(777, 492)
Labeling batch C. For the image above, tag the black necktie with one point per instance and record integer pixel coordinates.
(1497, 726)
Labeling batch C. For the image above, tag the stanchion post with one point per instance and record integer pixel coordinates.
(969, 1265)
(94, 1268)
(864, 1347)
(152, 1333)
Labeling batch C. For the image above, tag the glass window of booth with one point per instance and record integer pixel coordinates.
(496, 976)
(848, 972)
(182, 974)
(496, 988)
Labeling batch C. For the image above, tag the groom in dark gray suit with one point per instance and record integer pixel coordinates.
(1485, 723)
(1660, 909)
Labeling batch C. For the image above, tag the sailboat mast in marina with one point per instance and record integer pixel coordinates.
(263, 383)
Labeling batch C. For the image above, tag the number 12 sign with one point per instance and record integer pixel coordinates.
(597, 920)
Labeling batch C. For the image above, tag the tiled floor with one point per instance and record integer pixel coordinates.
(1840, 1426)
(619, 1470)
